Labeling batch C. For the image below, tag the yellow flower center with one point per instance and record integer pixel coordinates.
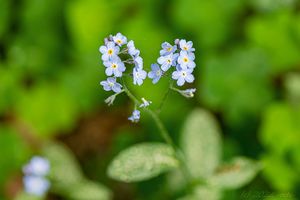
(185, 48)
(114, 66)
(119, 41)
(183, 74)
(110, 51)
(169, 49)
(185, 59)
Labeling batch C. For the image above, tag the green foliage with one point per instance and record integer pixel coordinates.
(201, 143)
(235, 174)
(230, 92)
(67, 179)
(86, 190)
(52, 111)
(26, 196)
(142, 161)
(278, 26)
(13, 154)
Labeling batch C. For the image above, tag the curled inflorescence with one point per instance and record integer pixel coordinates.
(122, 58)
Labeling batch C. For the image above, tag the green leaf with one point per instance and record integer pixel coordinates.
(25, 196)
(292, 85)
(201, 144)
(87, 190)
(235, 174)
(204, 193)
(142, 162)
(64, 167)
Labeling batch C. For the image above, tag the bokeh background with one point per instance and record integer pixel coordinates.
(247, 75)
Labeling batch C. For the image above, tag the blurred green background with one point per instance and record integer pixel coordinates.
(247, 75)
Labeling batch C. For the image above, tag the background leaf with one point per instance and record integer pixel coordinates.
(142, 161)
(235, 174)
(200, 141)
(87, 190)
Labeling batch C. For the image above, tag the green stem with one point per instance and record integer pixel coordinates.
(165, 135)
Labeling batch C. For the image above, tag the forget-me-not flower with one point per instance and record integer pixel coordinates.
(186, 60)
(109, 50)
(111, 84)
(138, 62)
(132, 50)
(155, 73)
(167, 61)
(138, 76)
(145, 103)
(36, 185)
(183, 75)
(135, 116)
(38, 166)
(186, 46)
(167, 49)
(119, 39)
(114, 67)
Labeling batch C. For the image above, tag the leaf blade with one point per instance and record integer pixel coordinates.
(142, 161)
(201, 143)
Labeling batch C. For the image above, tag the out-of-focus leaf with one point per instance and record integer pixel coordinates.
(279, 27)
(235, 174)
(204, 193)
(47, 109)
(64, 171)
(13, 153)
(280, 130)
(210, 20)
(89, 21)
(87, 190)
(142, 162)
(5, 10)
(272, 5)
(244, 91)
(280, 174)
(26, 196)
(292, 85)
(201, 143)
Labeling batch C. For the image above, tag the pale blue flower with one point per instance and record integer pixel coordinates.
(36, 185)
(135, 117)
(132, 50)
(109, 51)
(155, 73)
(111, 84)
(119, 39)
(167, 49)
(167, 61)
(186, 46)
(138, 76)
(186, 60)
(114, 66)
(37, 166)
(183, 75)
(138, 62)
(145, 103)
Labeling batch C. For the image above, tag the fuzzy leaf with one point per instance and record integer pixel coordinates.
(200, 140)
(87, 190)
(64, 167)
(142, 162)
(235, 174)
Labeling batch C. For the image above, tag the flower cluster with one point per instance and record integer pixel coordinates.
(115, 54)
(180, 56)
(34, 180)
(119, 56)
